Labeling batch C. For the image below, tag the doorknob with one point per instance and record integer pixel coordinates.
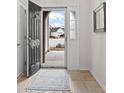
(18, 44)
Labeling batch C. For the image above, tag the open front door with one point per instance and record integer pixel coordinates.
(34, 41)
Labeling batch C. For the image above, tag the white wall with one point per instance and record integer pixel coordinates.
(98, 57)
(84, 35)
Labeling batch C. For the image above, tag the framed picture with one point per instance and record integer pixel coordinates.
(99, 16)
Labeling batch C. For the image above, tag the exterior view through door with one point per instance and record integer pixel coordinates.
(54, 38)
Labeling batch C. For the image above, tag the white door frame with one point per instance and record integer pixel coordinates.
(66, 30)
(24, 4)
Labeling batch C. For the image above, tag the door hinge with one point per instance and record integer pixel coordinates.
(25, 37)
(25, 63)
(25, 11)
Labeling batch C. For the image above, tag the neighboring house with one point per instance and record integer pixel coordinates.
(56, 32)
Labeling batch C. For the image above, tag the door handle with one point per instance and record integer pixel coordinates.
(18, 44)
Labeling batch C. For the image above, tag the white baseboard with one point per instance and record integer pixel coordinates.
(98, 80)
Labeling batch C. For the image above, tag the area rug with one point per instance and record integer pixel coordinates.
(50, 80)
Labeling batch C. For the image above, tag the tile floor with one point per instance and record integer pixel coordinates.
(80, 82)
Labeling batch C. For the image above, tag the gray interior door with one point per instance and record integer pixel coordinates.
(34, 38)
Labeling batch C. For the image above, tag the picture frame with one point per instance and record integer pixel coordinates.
(99, 18)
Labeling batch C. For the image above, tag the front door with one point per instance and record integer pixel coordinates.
(34, 38)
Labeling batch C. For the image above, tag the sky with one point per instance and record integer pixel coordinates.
(56, 18)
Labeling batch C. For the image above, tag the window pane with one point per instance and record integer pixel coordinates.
(72, 25)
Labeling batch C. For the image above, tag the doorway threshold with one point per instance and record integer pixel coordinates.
(53, 67)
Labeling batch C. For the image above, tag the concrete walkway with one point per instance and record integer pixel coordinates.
(54, 59)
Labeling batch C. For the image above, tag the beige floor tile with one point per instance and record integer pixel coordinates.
(76, 75)
(78, 84)
(74, 78)
(96, 90)
(80, 90)
(91, 84)
(88, 77)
